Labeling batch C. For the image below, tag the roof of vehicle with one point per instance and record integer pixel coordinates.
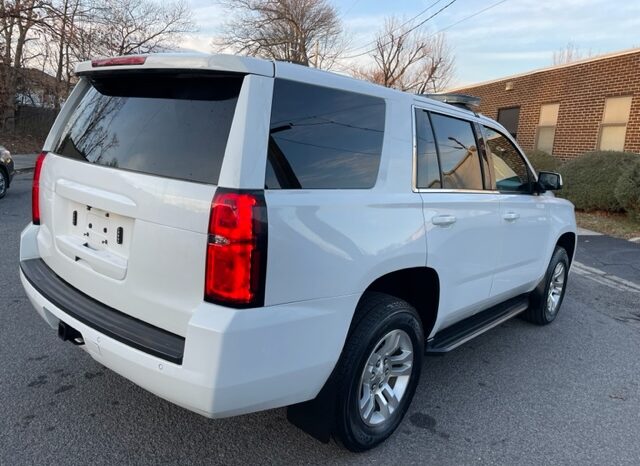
(271, 68)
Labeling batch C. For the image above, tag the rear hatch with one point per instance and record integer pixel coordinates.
(126, 189)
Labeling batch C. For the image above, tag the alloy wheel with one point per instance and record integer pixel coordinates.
(555, 288)
(385, 377)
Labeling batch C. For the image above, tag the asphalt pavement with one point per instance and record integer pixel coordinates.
(568, 393)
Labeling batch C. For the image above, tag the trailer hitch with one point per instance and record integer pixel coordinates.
(68, 333)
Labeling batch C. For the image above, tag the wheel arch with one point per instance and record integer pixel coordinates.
(418, 286)
(568, 242)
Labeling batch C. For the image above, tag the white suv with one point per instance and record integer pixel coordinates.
(235, 234)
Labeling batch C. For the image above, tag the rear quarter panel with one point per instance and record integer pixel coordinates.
(325, 243)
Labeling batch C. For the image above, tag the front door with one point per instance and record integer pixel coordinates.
(524, 219)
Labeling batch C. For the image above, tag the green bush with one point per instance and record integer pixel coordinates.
(628, 190)
(590, 180)
(543, 161)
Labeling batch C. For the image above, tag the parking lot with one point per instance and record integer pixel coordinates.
(568, 393)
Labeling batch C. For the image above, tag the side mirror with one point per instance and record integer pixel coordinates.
(550, 181)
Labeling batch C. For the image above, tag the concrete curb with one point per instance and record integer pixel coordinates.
(585, 232)
(24, 170)
(24, 162)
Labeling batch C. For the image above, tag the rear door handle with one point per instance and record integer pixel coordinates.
(511, 216)
(443, 220)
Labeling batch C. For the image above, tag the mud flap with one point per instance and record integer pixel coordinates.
(316, 417)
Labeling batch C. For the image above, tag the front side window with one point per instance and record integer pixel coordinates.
(458, 152)
(323, 138)
(428, 168)
(509, 168)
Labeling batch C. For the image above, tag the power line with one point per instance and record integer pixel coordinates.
(399, 27)
(407, 31)
(355, 2)
(467, 17)
(473, 15)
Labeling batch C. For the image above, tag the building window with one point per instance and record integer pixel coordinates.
(614, 123)
(509, 118)
(547, 127)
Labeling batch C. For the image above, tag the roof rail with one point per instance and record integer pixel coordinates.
(466, 101)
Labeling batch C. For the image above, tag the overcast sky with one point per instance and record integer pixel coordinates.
(513, 37)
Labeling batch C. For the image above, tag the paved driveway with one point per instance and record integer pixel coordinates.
(568, 393)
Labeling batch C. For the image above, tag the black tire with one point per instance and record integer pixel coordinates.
(377, 315)
(4, 183)
(539, 311)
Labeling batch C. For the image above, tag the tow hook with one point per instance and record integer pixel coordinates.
(68, 333)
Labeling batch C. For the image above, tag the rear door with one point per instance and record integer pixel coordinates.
(524, 218)
(461, 217)
(128, 186)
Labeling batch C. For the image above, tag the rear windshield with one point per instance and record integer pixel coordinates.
(172, 125)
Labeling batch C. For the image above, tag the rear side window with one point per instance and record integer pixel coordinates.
(173, 125)
(323, 138)
(459, 160)
(428, 169)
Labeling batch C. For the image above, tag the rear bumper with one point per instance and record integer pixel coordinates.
(234, 361)
(104, 319)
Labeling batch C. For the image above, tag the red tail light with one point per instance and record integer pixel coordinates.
(35, 189)
(237, 249)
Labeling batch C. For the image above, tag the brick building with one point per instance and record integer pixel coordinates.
(570, 109)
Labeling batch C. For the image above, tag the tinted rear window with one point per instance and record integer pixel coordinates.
(172, 125)
(323, 138)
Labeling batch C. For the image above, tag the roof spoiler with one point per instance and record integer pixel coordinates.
(466, 101)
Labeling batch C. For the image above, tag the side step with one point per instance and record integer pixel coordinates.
(469, 328)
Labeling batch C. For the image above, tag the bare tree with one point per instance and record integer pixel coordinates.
(18, 19)
(409, 60)
(308, 32)
(124, 27)
(53, 35)
(569, 54)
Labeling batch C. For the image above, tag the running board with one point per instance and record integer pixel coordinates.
(469, 328)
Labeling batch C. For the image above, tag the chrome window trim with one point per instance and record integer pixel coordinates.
(414, 149)
(458, 191)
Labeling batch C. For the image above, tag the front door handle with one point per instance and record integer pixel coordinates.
(443, 220)
(511, 216)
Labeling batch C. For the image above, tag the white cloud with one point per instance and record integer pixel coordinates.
(196, 42)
